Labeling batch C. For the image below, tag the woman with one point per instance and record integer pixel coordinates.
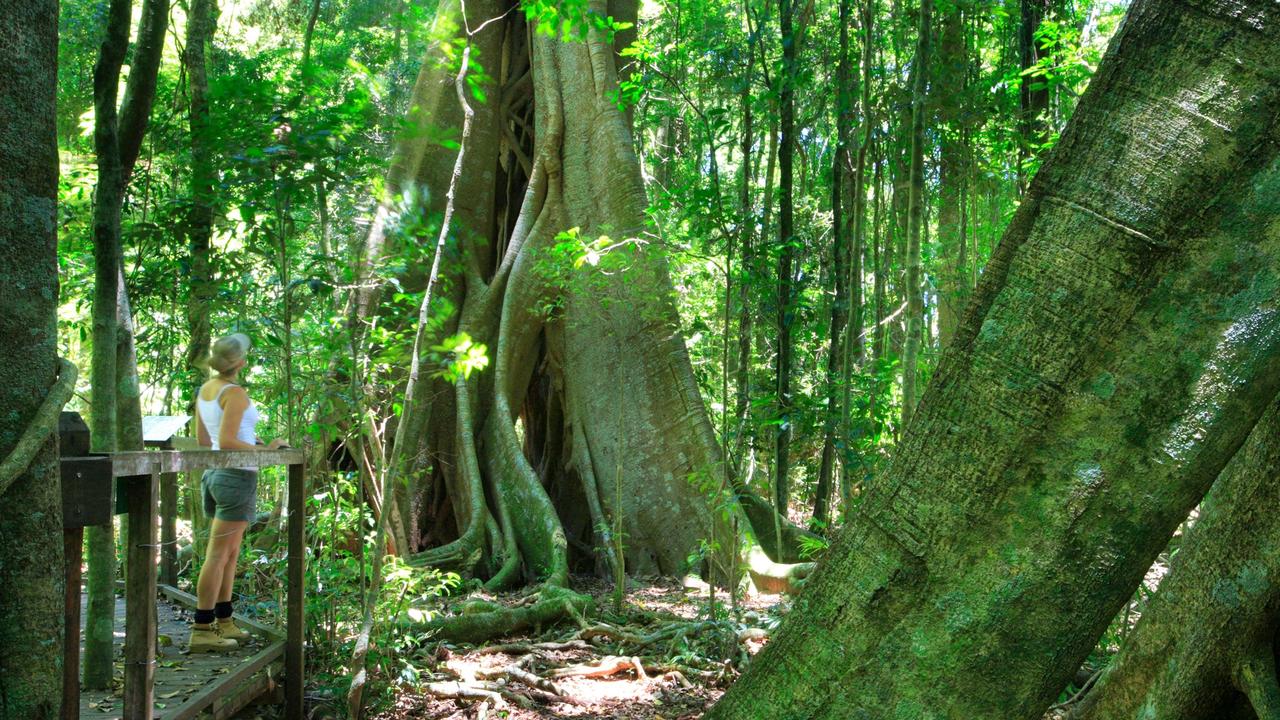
(225, 420)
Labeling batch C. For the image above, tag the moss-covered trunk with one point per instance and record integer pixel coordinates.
(588, 408)
(31, 508)
(107, 202)
(1206, 641)
(1121, 345)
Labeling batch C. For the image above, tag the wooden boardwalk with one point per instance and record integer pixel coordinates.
(207, 685)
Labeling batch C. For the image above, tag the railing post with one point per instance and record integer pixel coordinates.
(169, 529)
(72, 551)
(140, 597)
(294, 661)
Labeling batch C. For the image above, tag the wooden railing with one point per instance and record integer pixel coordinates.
(86, 501)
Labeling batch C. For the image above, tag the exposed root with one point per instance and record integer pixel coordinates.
(607, 666)
(553, 605)
(771, 577)
(462, 691)
(465, 552)
(526, 648)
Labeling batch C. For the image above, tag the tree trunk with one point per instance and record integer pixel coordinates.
(139, 95)
(1118, 351)
(880, 255)
(591, 365)
(201, 24)
(855, 346)
(747, 265)
(952, 70)
(31, 585)
(840, 273)
(100, 608)
(1033, 90)
(1213, 619)
(915, 217)
(786, 260)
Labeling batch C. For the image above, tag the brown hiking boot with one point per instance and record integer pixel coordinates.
(206, 638)
(228, 628)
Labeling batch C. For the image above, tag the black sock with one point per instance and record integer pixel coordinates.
(204, 617)
(223, 610)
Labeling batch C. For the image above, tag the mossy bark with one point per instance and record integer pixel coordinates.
(108, 200)
(590, 365)
(31, 585)
(915, 217)
(952, 70)
(1120, 347)
(201, 25)
(1206, 640)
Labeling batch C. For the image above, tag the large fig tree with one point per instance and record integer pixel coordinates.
(588, 411)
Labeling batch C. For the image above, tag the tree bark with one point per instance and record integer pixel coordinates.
(842, 278)
(140, 93)
(1118, 351)
(952, 70)
(915, 217)
(786, 260)
(201, 24)
(31, 585)
(855, 346)
(748, 274)
(1214, 616)
(108, 199)
(592, 365)
(1033, 91)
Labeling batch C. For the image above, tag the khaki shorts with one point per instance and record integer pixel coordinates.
(230, 494)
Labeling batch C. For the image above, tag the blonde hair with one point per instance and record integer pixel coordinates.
(226, 352)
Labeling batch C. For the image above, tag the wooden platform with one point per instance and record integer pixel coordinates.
(206, 685)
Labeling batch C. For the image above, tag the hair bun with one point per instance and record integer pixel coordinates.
(227, 351)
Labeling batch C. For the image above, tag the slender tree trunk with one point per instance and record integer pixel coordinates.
(108, 198)
(953, 69)
(311, 29)
(1107, 370)
(140, 93)
(747, 271)
(855, 346)
(201, 24)
(786, 260)
(881, 248)
(31, 585)
(1207, 639)
(1033, 90)
(842, 278)
(915, 218)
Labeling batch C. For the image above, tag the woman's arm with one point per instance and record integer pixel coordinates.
(235, 403)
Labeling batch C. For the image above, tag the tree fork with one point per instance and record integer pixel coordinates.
(1212, 622)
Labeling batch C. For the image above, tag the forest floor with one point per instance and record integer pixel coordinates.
(588, 670)
(686, 660)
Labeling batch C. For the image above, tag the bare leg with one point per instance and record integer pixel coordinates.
(224, 544)
(229, 569)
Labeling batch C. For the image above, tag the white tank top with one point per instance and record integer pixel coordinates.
(211, 415)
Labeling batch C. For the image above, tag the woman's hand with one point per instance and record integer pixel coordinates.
(276, 444)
